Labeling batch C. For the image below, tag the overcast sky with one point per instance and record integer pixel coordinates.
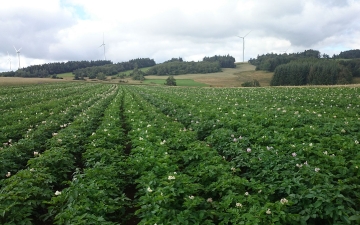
(64, 30)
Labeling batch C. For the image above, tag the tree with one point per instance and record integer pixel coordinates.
(137, 74)
(101, 76)
(170, 81)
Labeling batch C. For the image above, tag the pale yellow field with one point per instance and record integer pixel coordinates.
(229, 77)
(21, 80)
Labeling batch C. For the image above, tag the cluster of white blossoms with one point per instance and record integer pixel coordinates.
(233, 169)
(268, 211)
(36, 154)
(238, 205)
(284, 201)
(191, 197)
(163, 142)
(171, 177)
(57, 193)
(8, 174)
(149, 189)
(54, 134)
(209, 200)
(317, 169)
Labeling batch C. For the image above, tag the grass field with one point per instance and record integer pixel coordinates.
(66, 75)
(180, 82)
(229, 77)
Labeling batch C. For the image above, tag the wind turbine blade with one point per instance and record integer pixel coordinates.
(19, 49)
(15, 49)
(247, 33)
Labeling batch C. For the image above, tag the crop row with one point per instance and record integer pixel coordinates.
(189, 156)
(15, 155)
(184, 181)
(16, 123)
(296, 153)
(23, 196)
(29, 95)
(96, 194)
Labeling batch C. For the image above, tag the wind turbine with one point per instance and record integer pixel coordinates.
(285, 50)
(103, 44)
(9, 59)
(18, 53)
(244, 44)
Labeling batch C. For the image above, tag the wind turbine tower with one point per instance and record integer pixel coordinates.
(244, 44)
(9, 59)
(18, 53)
(285, 50)
(103, 44)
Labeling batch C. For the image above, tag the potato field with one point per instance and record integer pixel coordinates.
(81, 153)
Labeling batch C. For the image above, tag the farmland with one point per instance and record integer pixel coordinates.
(92, 153)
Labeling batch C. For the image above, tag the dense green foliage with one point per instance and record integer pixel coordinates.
(170, 81)
(137, 74)
(311, 71)
(178, 67)
(254, 83)
(270, 61)
(80, 153)
(350, 54)
(174, 60)
(48, 69)
(113, 69)
(352, 65)
(225, 61)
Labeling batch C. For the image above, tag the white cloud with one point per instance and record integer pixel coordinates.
(60, 30)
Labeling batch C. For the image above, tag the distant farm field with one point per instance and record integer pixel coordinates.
(229, 77)
(179, 82)
(4, 81)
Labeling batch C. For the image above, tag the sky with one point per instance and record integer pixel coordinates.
(73, 30)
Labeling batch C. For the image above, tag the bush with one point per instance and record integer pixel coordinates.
(254, 83)
(170, 81)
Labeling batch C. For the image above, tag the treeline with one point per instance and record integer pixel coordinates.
(352, 65)
(113, 69)
(270, 61)
(311, 71)
(181, 67)
(177, 66)
(225, 61)
(350, 54)
(49, 69)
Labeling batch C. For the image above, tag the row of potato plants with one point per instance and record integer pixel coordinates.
(23, 196)
(181, 180)
(301, 145)
(96, 194)
(17, 122)
(15, 155)
(12, 98)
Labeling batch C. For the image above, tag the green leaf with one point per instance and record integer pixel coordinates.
(354, 217)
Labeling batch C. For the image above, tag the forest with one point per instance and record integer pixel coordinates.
(176, 66)
(49, 69)
(310, 67)
(113, 69)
